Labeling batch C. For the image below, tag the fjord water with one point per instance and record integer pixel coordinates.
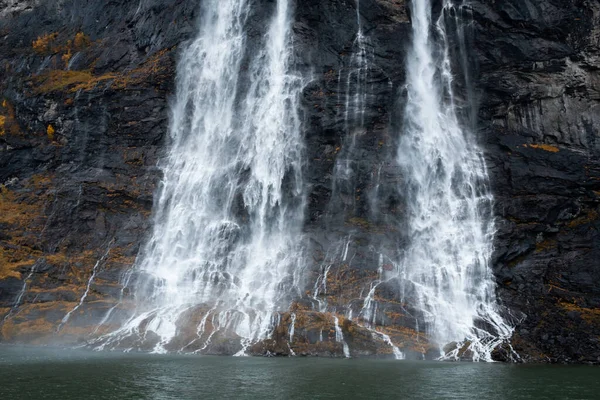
(226, 239)
(446, 268)
(67, 374)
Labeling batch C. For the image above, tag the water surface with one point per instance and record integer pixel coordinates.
(41, 373)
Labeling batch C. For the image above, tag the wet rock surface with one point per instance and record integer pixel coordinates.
(539, 81)
(85, 105)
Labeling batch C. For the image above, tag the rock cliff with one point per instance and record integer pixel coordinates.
(84, 117)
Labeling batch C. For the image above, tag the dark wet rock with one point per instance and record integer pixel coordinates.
(538, 74)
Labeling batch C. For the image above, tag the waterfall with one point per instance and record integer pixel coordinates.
(226, 241)
(226, 255)
(353, 85)
(446, 270)
(339, 336)
(357, 80)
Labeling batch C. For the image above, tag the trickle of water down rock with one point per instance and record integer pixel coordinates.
(227, 254)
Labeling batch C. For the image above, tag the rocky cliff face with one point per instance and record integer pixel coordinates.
(84, 116)
(539, 83)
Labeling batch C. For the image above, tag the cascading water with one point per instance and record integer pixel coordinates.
(227, 227)
(355, 77)
(446, 269)
(355, 97)
(225, 259)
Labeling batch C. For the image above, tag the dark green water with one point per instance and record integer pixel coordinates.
(27, 373)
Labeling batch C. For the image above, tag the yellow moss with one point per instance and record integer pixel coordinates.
(554, 286)
(8, 121)
(394, 315)
(46, 44)
(81, 41)
(21, 327)
(50, 132)
(11, 263)
(407, 338)
(43, 44)
(18, 219)
(69, 262)
(67, 57)
(590, 315)
(13, 212)
(585, 219)
(545, 245)
(59, 259)
(13, 260)
(154, 67)
(116, 256)
(73, 81)
(545, 147)
(59, 80)
(40, 181)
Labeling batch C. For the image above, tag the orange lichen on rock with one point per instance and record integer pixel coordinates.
(81, 41)
(40, 181)
(85, 80)
(545, 147)
(8, 121)
(59, 80)
(14, 212)
(591, 216)
(48, 44)
(71, 264)
(29, 325)
(12, 261)
(44, 43)
(407, 338)
(21, 219)
(50, 132)
(67, 57)
(589, 315)
(117, 257)
(545, 245)
(154, 67)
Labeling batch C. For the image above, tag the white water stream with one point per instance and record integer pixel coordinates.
(226, 231)
(354, 87)
(446, 269)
